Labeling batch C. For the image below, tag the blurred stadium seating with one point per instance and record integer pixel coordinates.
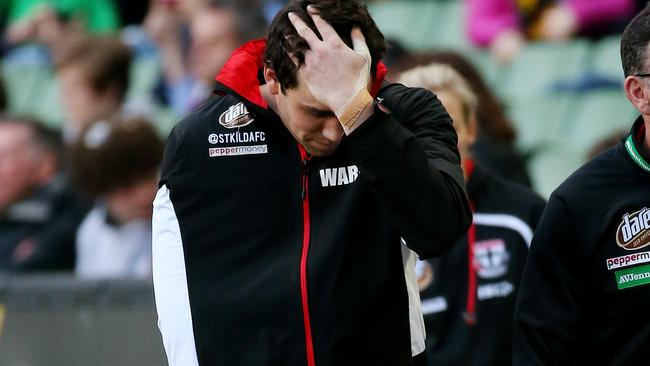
(555, 128)
(543, 118)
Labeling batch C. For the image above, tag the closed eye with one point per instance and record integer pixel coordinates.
(320, 113)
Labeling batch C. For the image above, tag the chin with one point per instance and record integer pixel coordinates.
(321, 152)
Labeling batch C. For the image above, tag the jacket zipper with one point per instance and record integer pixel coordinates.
(304, 168)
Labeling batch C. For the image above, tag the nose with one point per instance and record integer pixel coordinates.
(332, 130)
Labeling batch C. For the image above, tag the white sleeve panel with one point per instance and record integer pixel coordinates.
(506, 221)
(416, 319)
(170, 284)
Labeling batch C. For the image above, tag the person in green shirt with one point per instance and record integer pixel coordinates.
(52, 23)
(97, 16)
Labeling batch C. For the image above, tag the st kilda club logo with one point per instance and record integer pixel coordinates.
(634, 231)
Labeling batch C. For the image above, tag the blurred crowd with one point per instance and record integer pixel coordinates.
(77, 196)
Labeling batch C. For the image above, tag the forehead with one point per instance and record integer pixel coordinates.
(75, 72)
(301, 96)
(213, 23)
(453, 103)
(14, 134)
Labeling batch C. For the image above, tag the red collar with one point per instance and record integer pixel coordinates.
(240, 72)
(469, 166)
(640, 135)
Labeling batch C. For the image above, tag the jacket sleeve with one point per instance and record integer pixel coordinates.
(410, 161)
(548, 309)
(169, 273)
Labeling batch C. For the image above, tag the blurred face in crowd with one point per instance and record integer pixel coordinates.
(83, 104)
(465, 125)
(213, 40)
(312, 124)
(133, 202)
(23, 165)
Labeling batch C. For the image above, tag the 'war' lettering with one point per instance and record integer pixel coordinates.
(332, 177)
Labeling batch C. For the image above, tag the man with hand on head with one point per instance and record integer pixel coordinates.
(585, 291)
(277, 225)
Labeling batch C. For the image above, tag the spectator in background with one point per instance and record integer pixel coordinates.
(216, 28)
(117, 163)
(97, 16)
(38, 214)
(93, 74)
(504, 26)
(495, 145)
(51, 23)
(468, 313)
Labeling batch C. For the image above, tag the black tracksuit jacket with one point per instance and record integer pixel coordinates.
(467, 309)
(585, 293)
(296, 260)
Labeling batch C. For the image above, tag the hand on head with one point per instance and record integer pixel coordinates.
(335, 74)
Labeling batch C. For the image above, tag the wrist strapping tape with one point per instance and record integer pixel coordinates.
(348, 115)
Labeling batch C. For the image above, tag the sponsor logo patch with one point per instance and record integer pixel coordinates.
(627, 260)
(494, 290)
(236, 116)
(491, 258)
(332, 177)
(237, 150)
(633, 277)
(634, 231)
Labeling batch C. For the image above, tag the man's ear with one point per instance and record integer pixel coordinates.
(638, 94)
(271, 81)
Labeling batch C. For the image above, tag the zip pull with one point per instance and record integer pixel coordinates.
(304, 170)
(305, 176)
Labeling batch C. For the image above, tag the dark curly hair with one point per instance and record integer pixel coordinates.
(343, 15)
